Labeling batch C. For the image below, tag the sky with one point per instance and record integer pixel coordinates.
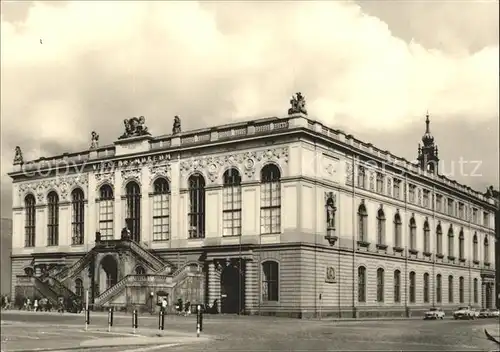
(371, 68)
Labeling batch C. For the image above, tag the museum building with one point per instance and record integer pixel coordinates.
(275, 216)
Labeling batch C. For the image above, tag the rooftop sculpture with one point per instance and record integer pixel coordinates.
(135, 127)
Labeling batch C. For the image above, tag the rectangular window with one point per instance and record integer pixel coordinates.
(426, 198)
(361, 177)
(439, 202)
(397, 286)
(161, 217)
(232, 210)
(270, 210)
(486, 219)
(438, 289)
(451, 207)
(397, 189)
(270, 281)
(106, 215)
(380, 183)
(411, 193)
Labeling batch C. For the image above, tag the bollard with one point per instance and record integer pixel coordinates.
(198, 320)
(161, 320)
(201, 321)
(134, 320)
(87, 319)
(110, 319)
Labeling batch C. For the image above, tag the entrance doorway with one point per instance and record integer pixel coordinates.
(108, 275)
(232, 282)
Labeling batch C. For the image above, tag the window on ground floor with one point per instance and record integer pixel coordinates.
(461, 289)
(412, 287)
(397, 286)
(270, 281)
(426, 288)
(476, 291)
(361, 284)
(380, 285)
(450, 289)
(438, 288)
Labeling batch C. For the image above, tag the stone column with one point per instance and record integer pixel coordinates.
(251, 287)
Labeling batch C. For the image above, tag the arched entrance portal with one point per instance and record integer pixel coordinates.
(108, 273)
(232, 284)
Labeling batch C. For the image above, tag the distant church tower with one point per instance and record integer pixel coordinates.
(428, 153)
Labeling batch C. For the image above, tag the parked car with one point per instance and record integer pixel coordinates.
(475, 313)
(484, 313)
(434, 313)
(464, 312)
(494, 313)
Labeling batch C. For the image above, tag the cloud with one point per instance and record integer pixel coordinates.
(210, 63)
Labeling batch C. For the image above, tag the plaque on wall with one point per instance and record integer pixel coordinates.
(330, 275)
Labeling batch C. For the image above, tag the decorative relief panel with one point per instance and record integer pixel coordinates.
(330, 276)
(134, 174)
(61, 184)
(159, 170)
(247, 162)
(330, 167)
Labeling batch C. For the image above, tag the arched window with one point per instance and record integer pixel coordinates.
(397, 286)
(29, 221)
(486, 253)
(397, 231)
(380, 285)
(450, 289)
(77, 217)
(451, 243)
(461, 247)
(196, 184)
(231, 212)
(476, 291)
(413, 234)
(270, 281)
(439, 289)
(361, 284)
(461, 289)
(362, 223)
(53, 219)
(79, 288)
(161, 210)
(106, 212)
(426, 288)
(475, 249)
(270, 199)
(139, 270)
(380, 227)
(413, 286)
(133, 209)
(427, 237)
(439, 240)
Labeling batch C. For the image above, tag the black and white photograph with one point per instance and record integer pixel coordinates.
(268, 175)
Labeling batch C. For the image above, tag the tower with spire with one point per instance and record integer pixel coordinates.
(428, 152)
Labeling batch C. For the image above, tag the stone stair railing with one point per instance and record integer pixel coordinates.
(45, 290)
(75, 268)
(61, 289)
(156, 263)
(130, 279)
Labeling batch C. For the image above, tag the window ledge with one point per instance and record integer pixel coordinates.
(427, 254)
(486, 264)
(363, 244)
(440, 256)
(463, 260)
(382, 246)
(413, 251)
(475, 262)
(331, 239)
(398, 249)
(451, 258)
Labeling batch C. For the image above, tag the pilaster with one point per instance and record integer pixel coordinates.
(118, 209)
(175, 201)
(251, 287)
(146, 218)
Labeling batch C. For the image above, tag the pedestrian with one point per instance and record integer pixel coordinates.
(164, 305)
(35, 305)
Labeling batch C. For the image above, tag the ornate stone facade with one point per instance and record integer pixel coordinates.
(248, 163)
(63, 185)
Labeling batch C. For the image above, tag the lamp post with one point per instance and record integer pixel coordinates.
(151, 296)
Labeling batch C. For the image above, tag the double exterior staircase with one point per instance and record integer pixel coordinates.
(45, 290)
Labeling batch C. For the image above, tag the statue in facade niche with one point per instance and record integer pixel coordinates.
(298, 104)
(177, 125)
(135, 127)
(330, 211)
(94, 140)
(18, 155)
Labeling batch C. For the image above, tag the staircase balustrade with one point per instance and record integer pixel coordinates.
(45, 290)
(157, 263)
(76, 267)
